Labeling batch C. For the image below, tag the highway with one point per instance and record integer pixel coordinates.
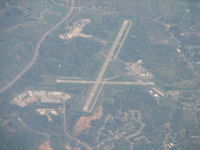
(105, 82)
(104, 67)
(37, 49)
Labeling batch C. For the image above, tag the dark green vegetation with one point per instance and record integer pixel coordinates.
(165, 35)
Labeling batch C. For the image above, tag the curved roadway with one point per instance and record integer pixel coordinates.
(37, 49)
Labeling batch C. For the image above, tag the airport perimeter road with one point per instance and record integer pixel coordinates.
(104, 67)
(105, 82)
(37, 49)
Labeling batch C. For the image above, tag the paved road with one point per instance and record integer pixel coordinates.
(70, 136)
(37, 49)
(105, 82)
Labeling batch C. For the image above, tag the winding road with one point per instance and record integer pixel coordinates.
(37, 49)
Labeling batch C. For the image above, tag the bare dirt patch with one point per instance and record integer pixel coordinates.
(45, 146)
(85, 122)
